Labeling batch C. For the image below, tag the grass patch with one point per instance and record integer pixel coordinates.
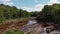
(14, 32)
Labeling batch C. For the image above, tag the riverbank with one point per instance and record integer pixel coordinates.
(21, 24)
(12, 24)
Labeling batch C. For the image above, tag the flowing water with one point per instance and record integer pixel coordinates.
(31, 22)
(29, 27)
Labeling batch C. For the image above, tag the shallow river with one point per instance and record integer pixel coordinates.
(31, 22)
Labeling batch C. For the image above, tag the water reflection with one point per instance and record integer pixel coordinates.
(31, 22)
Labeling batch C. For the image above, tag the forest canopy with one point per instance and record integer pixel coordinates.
(11, 12)
(50, 13)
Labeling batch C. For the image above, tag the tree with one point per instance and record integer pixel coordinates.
(11, 12)
(50, 13)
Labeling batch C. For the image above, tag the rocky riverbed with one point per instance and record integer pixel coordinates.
(36, 29)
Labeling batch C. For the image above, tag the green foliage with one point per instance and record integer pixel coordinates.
(14, 32)
(34, 14)
(50, 13)
(11, 12)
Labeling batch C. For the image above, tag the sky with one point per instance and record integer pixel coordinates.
(29, 5)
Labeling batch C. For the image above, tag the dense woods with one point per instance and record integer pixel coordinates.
(34, 13)
(11, 12)
(50, 13)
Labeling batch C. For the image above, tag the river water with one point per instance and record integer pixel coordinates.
(29, 27)
(31, 22)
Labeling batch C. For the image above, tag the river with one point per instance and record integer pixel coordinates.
(31, 22)
(32, 27)
(28, 26)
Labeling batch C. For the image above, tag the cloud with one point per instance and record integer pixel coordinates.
(27, 8)
(37, 7)
(6, 2)
(51, 2)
